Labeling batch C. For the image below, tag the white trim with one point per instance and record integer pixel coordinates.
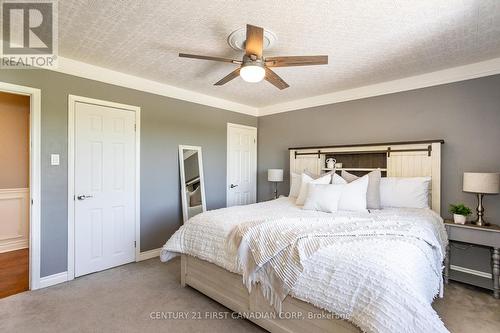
(72, 99)
(232, 125)
(14, 245)
(53, 279)
(149, 254)
(35, 176)
(183, 180)
(88, 71)
(242, 126)
(455, 74)
(471, 271)
(137, 182)
(14, 190)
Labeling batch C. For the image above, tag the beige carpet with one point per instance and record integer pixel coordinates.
(123, 300)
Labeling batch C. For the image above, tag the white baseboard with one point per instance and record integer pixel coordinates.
(471, 271)
(149, 254)
(53, 279)
(14, 245)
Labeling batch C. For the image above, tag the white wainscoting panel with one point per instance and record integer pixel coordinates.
(14, 219)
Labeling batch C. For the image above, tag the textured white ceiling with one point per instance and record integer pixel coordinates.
(367, 41)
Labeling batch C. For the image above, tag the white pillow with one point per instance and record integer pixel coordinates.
(323, 197)
(296, 181)
(304, 186)
(336, 179)
(412, 192)
(353, 195)
(373, 192)
(294, 184)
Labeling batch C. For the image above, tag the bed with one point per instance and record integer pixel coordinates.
(397, 283)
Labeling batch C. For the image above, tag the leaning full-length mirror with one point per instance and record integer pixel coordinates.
(192, 186)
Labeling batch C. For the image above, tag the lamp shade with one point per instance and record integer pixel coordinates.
(275, 175)
(482, 182)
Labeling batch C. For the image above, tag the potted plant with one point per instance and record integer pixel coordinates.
(460, 213)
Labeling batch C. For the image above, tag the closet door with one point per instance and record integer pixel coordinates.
(241, 165)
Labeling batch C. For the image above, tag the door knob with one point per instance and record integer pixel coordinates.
(83, 197)
(233, 186)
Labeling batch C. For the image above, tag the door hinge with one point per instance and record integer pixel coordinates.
(135, 243)
(31, 201)
(135, 127)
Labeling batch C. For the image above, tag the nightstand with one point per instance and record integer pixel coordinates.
(476, 235)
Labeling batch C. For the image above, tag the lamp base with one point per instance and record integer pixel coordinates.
(480, 223)
(480, 212)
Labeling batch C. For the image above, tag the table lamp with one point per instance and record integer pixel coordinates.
(275, 176)
(481, 183)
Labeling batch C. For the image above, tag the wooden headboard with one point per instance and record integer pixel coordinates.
(395, 159)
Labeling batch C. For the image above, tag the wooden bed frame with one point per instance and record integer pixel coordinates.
(404, 159)
(227, 288)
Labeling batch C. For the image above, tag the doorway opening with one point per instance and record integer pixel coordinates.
(14, 193)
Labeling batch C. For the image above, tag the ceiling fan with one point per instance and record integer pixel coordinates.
(254, 67)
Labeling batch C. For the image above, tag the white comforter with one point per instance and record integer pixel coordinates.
(380, 286)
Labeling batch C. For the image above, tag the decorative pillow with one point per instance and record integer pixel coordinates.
(400, 192)
(336, 179)
(295, 180)
(323, 197)
(373, 192)
(304, 186)
(349, 177)
(315, 176)
(353, 195)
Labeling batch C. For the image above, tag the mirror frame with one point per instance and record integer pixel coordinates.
(183, 180)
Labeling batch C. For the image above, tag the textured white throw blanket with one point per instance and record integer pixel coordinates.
(379, 270)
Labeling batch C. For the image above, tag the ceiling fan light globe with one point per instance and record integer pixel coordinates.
(252, 73)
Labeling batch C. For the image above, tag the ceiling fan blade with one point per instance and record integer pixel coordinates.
(195, 56)
(255, 41)
(296, 61)
(275, 80)
(229, 77)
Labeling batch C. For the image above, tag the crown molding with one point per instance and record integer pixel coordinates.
(454, 74)
(92, 72)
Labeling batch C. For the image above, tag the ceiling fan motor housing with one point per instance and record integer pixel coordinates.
(252, 61)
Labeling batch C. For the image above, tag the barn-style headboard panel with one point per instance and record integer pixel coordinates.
(395, 159)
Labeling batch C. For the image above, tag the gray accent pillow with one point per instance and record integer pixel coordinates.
(373, 192)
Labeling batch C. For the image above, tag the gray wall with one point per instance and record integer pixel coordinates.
(465, 114)
(165, 123)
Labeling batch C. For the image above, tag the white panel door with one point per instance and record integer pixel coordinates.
(104, 187)
(241, 165)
